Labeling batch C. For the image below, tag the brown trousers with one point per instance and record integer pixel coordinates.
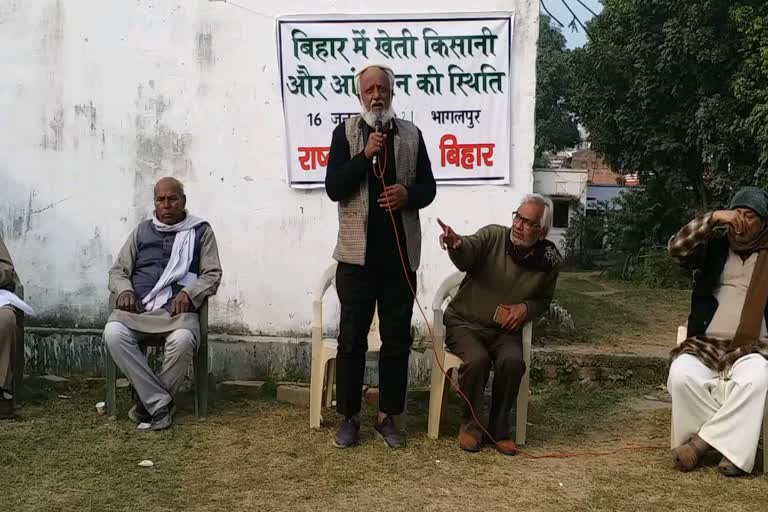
(482, 349)
(7, 346)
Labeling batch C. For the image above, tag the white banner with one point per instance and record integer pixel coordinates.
(452, 81)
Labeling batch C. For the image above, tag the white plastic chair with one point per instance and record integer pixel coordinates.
(451, 362)
(682, 335)
(323, 371)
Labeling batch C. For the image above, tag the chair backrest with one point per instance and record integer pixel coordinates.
(203, 314)
(327, 280)
(447, 290)
(682, 333)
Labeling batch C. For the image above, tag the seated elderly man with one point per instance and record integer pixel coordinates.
(718, 378)
(511, 277)
(163, 274)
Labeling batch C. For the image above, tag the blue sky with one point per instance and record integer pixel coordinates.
(560, 12)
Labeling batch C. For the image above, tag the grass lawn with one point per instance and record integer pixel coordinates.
(614, 315)
(256, 454)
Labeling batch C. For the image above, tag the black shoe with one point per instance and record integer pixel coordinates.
(387, 430)
(138, 413)
(348, 433)
(6, 405)
(161, 419)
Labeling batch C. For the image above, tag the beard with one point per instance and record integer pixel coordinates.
(370, 117)
(520, 243)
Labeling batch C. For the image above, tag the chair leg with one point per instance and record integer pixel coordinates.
(330, 381)
(521, 411)
(317, 379)
(448, 384)
(111, 377)
(201, 383)
(18, 364)
(765, 445)
(436, 394)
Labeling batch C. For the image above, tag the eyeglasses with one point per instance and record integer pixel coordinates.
(527, 224)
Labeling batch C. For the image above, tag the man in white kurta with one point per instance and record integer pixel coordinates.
(717, 406)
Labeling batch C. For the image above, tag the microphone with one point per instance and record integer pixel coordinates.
(377, 126)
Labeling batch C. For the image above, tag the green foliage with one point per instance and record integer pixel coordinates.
(750, 84)
(584, 236)
(639, 226)
(654, 268)
(647, 216)
(555, 125)
(676, 92)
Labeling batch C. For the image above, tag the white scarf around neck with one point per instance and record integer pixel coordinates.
(177, 269)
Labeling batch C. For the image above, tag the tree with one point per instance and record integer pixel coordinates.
(655, 88)
(751, 82)
(555, 125)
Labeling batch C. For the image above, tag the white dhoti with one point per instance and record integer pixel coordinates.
(725, 410)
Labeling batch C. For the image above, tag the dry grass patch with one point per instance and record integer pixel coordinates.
(257, 454)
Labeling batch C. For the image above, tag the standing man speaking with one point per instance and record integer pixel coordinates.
(378, 170)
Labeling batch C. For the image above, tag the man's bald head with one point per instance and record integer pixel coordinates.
(170, 182)
(170, 201)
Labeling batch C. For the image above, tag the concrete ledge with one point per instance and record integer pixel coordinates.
(80, 352)
(565, 363)
(294, 394)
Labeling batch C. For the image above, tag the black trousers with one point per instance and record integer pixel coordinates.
(360, 289)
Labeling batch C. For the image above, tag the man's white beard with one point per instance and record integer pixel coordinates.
(522, 244)
(370, 117)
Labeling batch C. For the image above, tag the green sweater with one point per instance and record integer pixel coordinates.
(493, 278)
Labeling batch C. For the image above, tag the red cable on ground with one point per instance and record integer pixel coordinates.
(379, 173)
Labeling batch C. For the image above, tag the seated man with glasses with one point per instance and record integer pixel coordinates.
(511, 277)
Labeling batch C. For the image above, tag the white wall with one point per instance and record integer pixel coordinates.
(100, 99)
(561, 182)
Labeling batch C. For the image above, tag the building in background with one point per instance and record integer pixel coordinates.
(577, 180)
(603, 184)
(101, 99)
(566, 187)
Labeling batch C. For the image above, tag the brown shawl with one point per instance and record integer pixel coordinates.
(719, 354)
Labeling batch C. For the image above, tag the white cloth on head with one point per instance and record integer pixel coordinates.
(9, 299)
(177, 269)
(372, 64)
(725, 410)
